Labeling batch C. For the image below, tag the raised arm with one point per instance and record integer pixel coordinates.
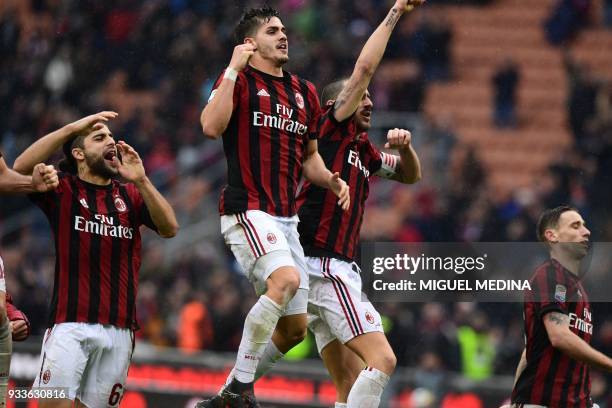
(131, 168)
(218, 111)
(405, 168)
(317, 173)
(368, 61)
(44, 178)
(44, 147)
(563, 339)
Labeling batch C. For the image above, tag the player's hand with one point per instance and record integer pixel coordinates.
(340, 189)
(130, 166)
(241, 56)
(90, 121)
(19, 330)
(408, 5)
(44, 178)
(398, 139)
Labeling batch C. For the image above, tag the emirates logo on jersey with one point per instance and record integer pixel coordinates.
(271, 238)
(369, 317)
(46, 376)
(299, 99)
(120, 204)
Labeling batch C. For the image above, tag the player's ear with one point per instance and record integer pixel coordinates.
(77, 153)
(330, 102)
(250, 40)
(551, 236)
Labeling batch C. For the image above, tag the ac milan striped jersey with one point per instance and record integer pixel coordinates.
(325, 229)
(97, 250)
(264, 143)
(551, 377)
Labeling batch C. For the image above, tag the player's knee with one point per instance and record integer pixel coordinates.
(285, 283)
(294, 335)
(388, 361)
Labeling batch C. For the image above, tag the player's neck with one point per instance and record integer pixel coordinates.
(88, 177)
(568, 262)
(266, 66)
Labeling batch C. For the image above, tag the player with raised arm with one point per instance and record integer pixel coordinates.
(554, 368)
(96, 222)
(330, 237)
(267, 118)
(43, 178)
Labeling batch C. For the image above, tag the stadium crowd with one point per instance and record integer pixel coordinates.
(154, 62)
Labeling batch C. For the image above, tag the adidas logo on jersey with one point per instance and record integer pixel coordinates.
(83, 203)
(263, 92)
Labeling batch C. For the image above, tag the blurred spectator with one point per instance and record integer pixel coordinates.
(195, 330)
(566, 19)
(582, 96)
(476, 347)
(505, 84)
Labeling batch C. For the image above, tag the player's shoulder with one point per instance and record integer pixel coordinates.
(547, 273)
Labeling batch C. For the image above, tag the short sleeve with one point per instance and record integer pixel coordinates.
(237, 87)
(331, 130)
(315, 115)
(374, 157)
(548, 292)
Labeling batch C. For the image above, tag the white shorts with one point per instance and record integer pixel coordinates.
(90, 361)
(2, 281)
(337, 309)
(263, 243)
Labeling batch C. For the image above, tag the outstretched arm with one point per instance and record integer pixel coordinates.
(562, 338)
(43, 178)
(371, 55)
(43, 148)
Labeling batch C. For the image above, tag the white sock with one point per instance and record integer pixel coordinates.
(367, 389)
(268, 360)
(340, 405)
(6, 346)
(258, 328)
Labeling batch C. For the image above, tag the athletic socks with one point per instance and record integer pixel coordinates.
(268, 360)
(6, 347)
(368, 388)
(258, 328)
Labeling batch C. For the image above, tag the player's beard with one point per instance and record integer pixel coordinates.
(99, 167)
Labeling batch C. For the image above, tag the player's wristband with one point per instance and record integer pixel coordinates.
(231, 74)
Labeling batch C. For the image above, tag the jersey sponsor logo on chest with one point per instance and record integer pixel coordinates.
(583, 323)
(354, 160)
(103, 225)
(281, 119)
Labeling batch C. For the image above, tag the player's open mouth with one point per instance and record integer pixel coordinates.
(282, 46)
(367, 114)
(110, 155)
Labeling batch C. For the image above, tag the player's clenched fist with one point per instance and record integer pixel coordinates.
(398, 139)
(408, 5)
(241, 56)
(44, 178)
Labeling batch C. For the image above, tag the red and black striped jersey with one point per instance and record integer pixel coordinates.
(325, 229)
(265, 141)
(97, 250)
(552, 378)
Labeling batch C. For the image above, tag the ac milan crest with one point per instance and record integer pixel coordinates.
(369, 317)
(300, 100)
(46, 376)
(120, 204)
(271, 238)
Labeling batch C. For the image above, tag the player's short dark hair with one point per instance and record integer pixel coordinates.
(550, 219)
(332, 90)
(68, 164)
(251, 20)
